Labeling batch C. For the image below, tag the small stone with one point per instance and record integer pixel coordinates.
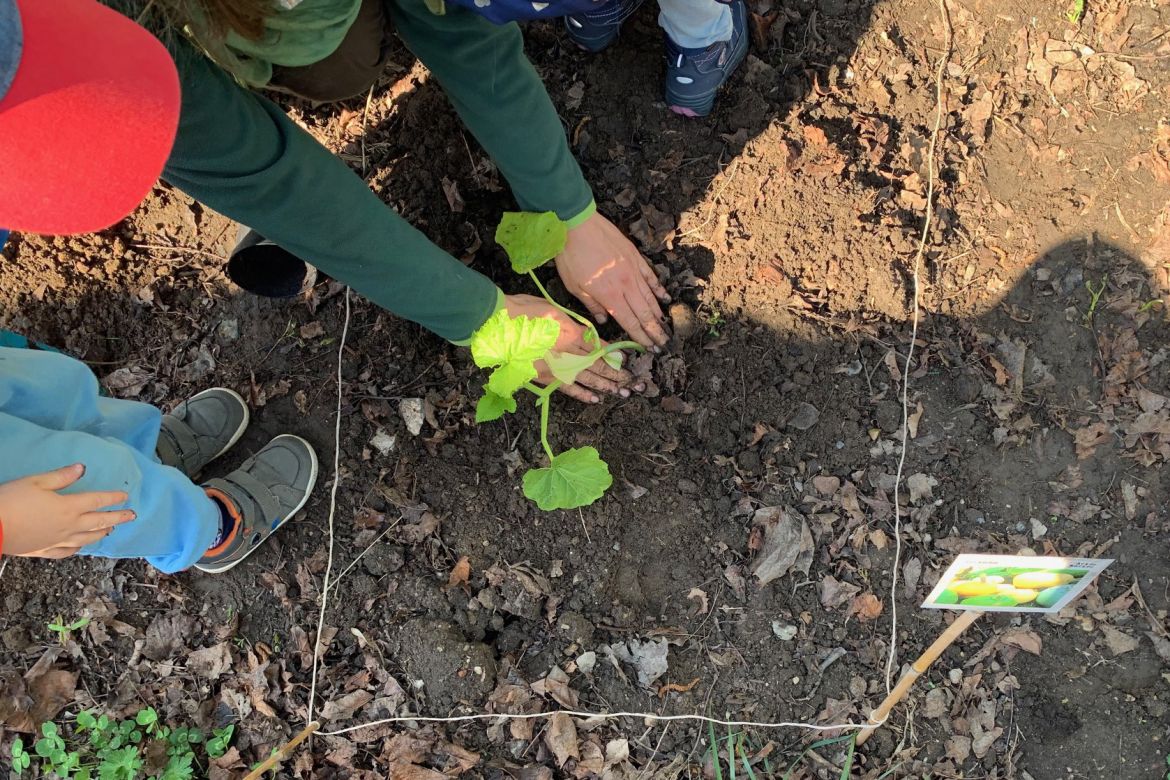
(411, 410)
(785, 632)
(955, 676)
(1038, 529)
(383, 442)
(805, 417)
(587, 662)
(228, 330)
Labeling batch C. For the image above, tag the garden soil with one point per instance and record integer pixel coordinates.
(785, 227)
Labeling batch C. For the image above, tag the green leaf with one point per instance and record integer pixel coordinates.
(565, 366)
(18, 748)
(531, 239)
(86, 720)
(1076, 11)
(146, 717)
(492, 406)
(512, 345)
(574, 478)
(49, 729)
(614, 359)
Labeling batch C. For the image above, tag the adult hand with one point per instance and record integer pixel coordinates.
(609, 275)
(598, 378)
(38, 521)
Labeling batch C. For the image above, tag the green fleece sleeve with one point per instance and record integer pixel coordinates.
(241, 155)
(502, 100)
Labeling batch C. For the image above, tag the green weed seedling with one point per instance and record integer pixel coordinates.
(511, 347)
(65, 630)
(101, 748)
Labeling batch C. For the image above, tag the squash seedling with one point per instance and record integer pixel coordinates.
(511, 347)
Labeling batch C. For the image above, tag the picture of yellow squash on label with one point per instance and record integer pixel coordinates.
(1009, 587)
(1026, 583)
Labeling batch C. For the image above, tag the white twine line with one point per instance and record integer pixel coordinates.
(927, 220)
(600, 716)
(332, 513)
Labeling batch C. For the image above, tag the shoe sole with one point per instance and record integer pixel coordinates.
(287, 517)
(235, 437)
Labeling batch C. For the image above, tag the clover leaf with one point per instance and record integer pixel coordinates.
(512, 345)
(531, 239)
(574, 478)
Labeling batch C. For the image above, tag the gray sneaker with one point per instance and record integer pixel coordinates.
(201, 429)
(259, 497)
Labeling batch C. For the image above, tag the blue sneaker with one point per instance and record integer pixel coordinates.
(595, 29)
(693, 77)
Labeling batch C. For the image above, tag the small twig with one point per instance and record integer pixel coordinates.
(283, 753)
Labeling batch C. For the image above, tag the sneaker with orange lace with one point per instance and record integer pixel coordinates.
(259, 497)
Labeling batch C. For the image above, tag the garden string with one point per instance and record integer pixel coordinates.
(919, 255)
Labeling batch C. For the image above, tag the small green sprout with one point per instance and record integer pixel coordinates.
(511, 347)
(65, 631)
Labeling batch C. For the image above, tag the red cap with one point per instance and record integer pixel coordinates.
(88, 121)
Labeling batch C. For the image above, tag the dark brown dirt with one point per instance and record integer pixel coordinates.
(785, 226)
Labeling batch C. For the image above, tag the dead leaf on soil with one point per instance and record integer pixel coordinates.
(416, 532)
(921, 487)
(648, 657)
(787, 544)
(26, 703)
(556, 685)
(460, 574)
(1118, 641)
(343, 708)
(211, 662)
(700, 599)
(865, 607)
(834, 592)
(167, 635)
(561, 738)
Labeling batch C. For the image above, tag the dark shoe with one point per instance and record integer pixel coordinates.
(259, 497)
(594, 30)
(693, 78)
(201, 429)
(264, 268)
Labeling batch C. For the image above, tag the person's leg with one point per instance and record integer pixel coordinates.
(350, 70)
(695, 24)
(705, 42)
(51, 416)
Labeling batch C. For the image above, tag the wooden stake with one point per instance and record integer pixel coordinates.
(945, 640)
(283, 753)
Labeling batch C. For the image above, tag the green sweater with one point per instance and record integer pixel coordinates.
(239, 153)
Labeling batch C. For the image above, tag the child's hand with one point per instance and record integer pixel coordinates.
(609, 275)
(598, 377)
(39, 521)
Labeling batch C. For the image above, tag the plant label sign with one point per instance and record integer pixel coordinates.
(1013, 583)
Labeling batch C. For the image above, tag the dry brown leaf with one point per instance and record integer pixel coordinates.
(1118, 641)
(26, 703)
(211, 662)
(700, 599)
(914, 419)
(834, 593)
(556, 685)
(345, 706)
(865, 607)
(460, 574)
(561, 738)
(1026, 640)
(312, 330)
(787, 545)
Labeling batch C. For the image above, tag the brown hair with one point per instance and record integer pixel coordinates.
(243, 17)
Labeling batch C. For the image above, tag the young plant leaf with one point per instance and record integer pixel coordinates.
(574, 478)
(492, 406)
(565, 366)
(531, 239)
(512, 345)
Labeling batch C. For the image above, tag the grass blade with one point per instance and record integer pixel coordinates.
(714, 751)
(730, 754)
(847, 767)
